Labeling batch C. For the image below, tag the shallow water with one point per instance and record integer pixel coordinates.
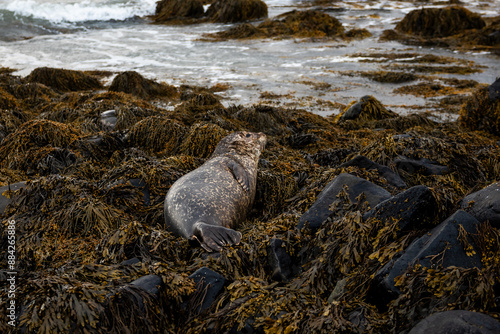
(115, 35)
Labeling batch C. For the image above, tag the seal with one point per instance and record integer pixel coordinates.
(208, 202)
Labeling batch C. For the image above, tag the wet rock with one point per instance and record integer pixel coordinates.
(443, 237)
(457, 321)
(232, 11)
(150, 284)
(131, 82)
(209, 285)
(320, 210)
(109, 119)
(279, 260)
(422, 166)
(368, 108)
(168, 10)
(439, 22)
(63, 80)
(363, 162)
(494, 90)
(338, 291)
(413, 209)
(7, 193)
(481, 112)
(484, 204)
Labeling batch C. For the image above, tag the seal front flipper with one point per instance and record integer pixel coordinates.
(213, 237)
(240, 174)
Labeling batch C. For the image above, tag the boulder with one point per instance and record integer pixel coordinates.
(422, 166)
(456, 322)
(387, 173)
(7, 193)
(439, 22)
(232, 11)
(422, 250)
(279, 260)
(167, 10)
(484, 204)
(209, 285)
(320, 210)
(150, 284)
(494, 90)
(414, 208)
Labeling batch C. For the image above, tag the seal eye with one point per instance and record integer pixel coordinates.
(248, 135)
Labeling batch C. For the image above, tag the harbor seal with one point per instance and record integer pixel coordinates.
(206, 203)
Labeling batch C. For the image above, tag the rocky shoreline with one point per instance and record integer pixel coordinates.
(364, 222)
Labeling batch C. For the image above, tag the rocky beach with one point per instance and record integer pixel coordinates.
(377, 206)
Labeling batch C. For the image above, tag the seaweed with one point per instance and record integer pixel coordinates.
(481, 113)
(131, 82)
(236, 10)
(157, 135)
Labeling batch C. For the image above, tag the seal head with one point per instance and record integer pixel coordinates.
(208, 202)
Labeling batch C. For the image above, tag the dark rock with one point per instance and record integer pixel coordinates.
(363, 162)
(422, 166)
(422, 250)
(6, 194)
(484, 204)
(494, 89)
(150, 284)
(320, 210)
(167, 10)
(130, 262)
(457, 322)
(209, 284)
(231, 11)
(109, 119)
(279, 260)
(414, 208)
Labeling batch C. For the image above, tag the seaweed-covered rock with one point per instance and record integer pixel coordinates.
(209, 285)
(309, 23)
(457, 321)
(131, 82)
(412, 209)
(482, 111)
(231, 11)
(7, 193)
(368, 108)
(355, 186)
(157, 135)
(484, 204)
(63, 80)
(273, 189)
(202, 139)
(439, 22)
(7, 101)
(494, 90)
(199, 103)
(363, 162)
(448, 244)
(422, 166)
(279, 260)
(167, 10)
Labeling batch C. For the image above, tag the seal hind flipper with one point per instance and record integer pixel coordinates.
(240, 174)
(213, 237)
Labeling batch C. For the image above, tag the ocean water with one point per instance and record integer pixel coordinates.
(117, 35)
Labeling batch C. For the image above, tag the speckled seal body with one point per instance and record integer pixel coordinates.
(208, 202)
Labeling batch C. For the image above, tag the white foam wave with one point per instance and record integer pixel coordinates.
(70, 11)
